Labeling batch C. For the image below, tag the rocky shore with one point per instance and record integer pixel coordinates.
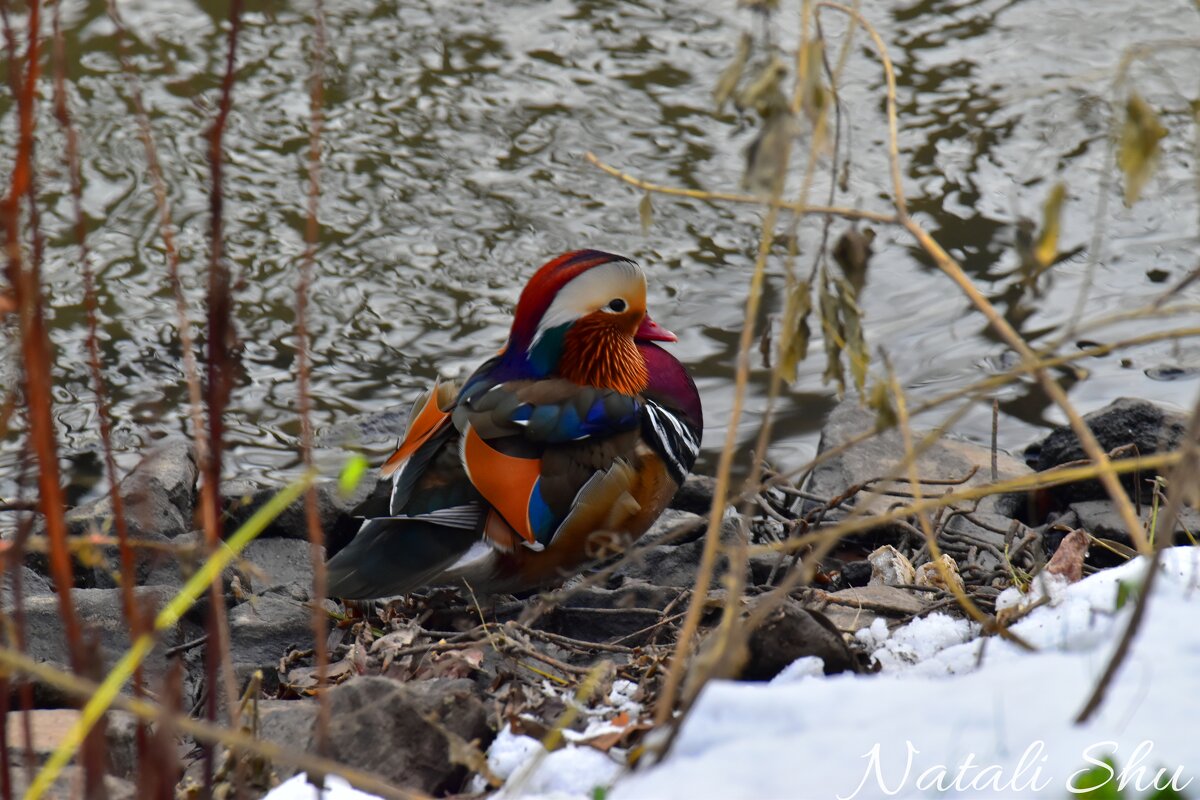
(424, 688)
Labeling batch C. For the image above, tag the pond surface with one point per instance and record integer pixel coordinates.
(453, 166)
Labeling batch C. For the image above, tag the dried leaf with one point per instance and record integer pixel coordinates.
(832, 329)
(303, 680)
(795, 333)
(529, 726)
(814, 95)
(1067, 560)
(880, 401)
(764, 342)
(767, 155)
(853, 254)
(623, 729)
(731, 76)
(855, 343)
(645, 213)
(1046, 250)
(452, 664)
(1023, 232)
(464, 753)
(395, 640)
(1138, 151)
(765, 93)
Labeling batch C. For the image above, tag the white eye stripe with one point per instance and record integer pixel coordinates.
(593, 290)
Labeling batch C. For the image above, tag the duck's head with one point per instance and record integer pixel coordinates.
(580, 316)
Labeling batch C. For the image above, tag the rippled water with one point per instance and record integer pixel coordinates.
(453, 167)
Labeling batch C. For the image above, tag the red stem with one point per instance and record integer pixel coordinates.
(316, 536)
(219, 373)
(62, 112)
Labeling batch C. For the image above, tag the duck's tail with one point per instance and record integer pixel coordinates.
(392, 556)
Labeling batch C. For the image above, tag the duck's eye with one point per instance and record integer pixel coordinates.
(616, 305)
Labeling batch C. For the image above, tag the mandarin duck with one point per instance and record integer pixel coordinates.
(559, 450)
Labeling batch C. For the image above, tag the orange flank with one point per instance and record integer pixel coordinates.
(504, 481)
(422, 425)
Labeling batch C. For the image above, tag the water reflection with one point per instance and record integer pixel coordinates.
(452, 167)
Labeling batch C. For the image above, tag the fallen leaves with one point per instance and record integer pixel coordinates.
(1138, 148)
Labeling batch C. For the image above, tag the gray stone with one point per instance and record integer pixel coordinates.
(288, 723)
(852, 609)
(32, 584)
(281, 566)
(262, 630)
(668, 565)
(674, 526)
(791, 632)
(762, 565)
(243, 498)
(1100, 518)
(159, 495)
(696, 494)
(879, 456)
(153, 565)
(101, 614)
(384, 726)
(1140, 425)
(623, 611)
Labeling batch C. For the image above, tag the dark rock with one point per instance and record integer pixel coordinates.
(597, 615)
(243, 498)
(674, 527)
(762, 565)
(32, 584)
(383, 726)
(262, 630)
(1100, 518)
(666, 565)
(101, 613)
(673, 564)
(153, 566)
(289, 723)
(856, 573)
(791, 632)
(696, 494)
(879, 456)
(159, 495)
(280, 566)
(186, 554)
(1126, 422)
